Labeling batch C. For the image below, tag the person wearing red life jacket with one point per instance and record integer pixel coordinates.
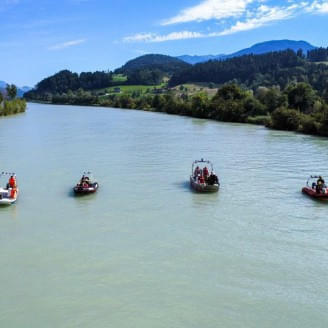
(12, 182)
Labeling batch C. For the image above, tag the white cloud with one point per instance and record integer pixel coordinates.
(210, 9)
(319, 7)
(67, 44)
(152, 37)
(264, 16)
(242, 15)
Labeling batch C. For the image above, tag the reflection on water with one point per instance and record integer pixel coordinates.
(145, 250)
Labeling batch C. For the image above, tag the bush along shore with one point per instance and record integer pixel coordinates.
(296, 108)
(9, 105)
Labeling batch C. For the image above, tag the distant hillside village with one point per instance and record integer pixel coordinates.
(285, 89)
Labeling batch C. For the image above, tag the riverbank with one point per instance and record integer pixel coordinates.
(12, 107)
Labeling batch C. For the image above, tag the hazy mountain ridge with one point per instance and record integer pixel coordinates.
(256, 49)
(20, 90)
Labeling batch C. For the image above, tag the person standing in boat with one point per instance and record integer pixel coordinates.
(12, 182)
(320, 185)
(321, 180)
(197, 171)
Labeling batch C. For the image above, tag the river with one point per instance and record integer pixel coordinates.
(145, 251)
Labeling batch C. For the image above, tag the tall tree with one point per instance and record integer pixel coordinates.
(11, 91)
(301, 96)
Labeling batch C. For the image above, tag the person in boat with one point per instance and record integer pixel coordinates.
(197, 171)
(321, 181)
(319, 186)
(84, 180)
(12, 182)
(213, 179)
(205, 173)
(201, 179)
(85, 184)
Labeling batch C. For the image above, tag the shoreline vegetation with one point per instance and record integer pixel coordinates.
(283, 90)
(9, 104)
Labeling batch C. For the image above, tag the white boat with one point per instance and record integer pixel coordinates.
(201, 182)
(9, 194)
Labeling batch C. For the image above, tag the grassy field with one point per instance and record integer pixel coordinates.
(129, 89)
(119, 78)
(188, 88)
(193, 88)
(323, 62)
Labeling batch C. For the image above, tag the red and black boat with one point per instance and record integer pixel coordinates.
(87, 185)
(316, 188)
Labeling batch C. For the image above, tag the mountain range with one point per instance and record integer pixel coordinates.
(257, 49)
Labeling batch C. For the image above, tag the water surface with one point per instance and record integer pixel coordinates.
(145, 251)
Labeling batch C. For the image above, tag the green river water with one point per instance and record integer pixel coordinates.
(145, 251)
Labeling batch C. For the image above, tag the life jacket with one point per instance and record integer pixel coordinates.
(12, 182)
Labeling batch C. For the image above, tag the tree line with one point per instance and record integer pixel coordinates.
(318, 55)
(252, 71)
(66, 80)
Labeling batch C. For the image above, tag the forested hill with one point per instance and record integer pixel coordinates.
(66, 80)
(165, 64)
(252, 71)
(151, 69)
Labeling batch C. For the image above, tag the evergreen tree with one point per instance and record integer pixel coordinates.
(11, 91)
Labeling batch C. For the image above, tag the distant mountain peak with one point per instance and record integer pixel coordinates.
(256, 49)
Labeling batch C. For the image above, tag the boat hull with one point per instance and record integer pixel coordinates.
(5, 200)
(203, 188)
(312, 193)
(86, 191)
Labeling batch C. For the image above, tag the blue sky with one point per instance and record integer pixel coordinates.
(41, 37)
